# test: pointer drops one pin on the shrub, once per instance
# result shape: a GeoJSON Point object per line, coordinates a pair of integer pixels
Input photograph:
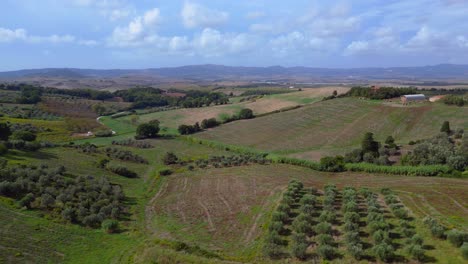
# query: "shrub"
{"type": "Point", "coordinates": [349, 226]}
{"type": "Point", "coordinates": [401, 213]}
{"type": "Point", "coordinates": [23, 135]}
{"type": "Point", "coordinates": [327, 216]}
{"type": "Point", "coordinates": [438, 231]}
{"type": "Point", "coordinates": [416, 240]}
{"type": "Point", "coordinates": [272, 250]}
{"type": "Point", "coordinates": [209, 123]}
{"type": "Point", "coordinates": [351, 217]}
{"type": "Point", "coordinates": [301, 226]}
{"type": "Point", "coordinates": [380, 236]}
{"type": "Point", "coordinates": [170, 158]}
{"type": "Point", "coordinates": [284, 207]}
{"type": "Point", "coordinates": [110, 225]}
{"type": "Point", "coordinates": [307, 209]}
{"type": "Point", "coordinates": [416, 251]}
{"type": "Point", "coordinates": [355, 250]}
{"type": "Point", "coordinates": [464, 250]}
{"type": "Point", "coordinates": [332, 164]}
{"type": "Point", "coordinates": [383, 251]}
{"type": "Point", "coordinates": [165, 172]}
{"type": "Point", "coordinates": [122, 171]}
{"type": "Point", "coordinates": [445, 127]}
{"type": "Point", "coordinates": [273, 238]}
{"type": "Point", "coordinates": [277, 226]}
{"type": "Point", "coordinates": [325, 239]}
{"type": "Point", "coordinates": [457, 238]}
{"type": "Point", "coordinates": [280, 216]}
{"type": "Point", "coordinates": [103, 133]}
{"type": "Point", "coordinates": [3, 149]}
{"type": "Point", "coordinates": [323, 228]}
{"type": "Point", "coordinates": [378, 225]}
{"type": "Point", "coordinates": [326, 251]}
{"type": "Point", "coordinates": [299, 246]}
{"type": "Point", "coordinates": [352, 237]}
{"type": "Point", "coordinates": [246, 113]}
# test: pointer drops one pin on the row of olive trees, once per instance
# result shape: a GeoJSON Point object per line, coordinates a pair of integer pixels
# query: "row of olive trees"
{"type": "Point", "coordinates": [414, 242]}
{"type": "Point", "coordinates": [354, 245]}
{"type": "Point", "coordinates": [274, 243]}
{"type": "Point", "coordinates": [456, 237]}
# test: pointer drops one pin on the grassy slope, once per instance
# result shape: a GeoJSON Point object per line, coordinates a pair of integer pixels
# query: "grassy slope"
{"type": "Point", "coordinates": [332, 126]}
{"type": "Point", "coordinates": [29, 237]}
{"type": "Point", "coordinates": [173, 118]}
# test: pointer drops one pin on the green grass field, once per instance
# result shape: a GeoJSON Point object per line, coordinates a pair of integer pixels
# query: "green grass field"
{"type": "Point", "coordinates": [334, 126]}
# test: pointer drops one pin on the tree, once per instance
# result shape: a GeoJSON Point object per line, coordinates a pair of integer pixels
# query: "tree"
{"type": "Point", "coordinates": [147, 130]}
{"type": "Point", "coordinates": [335, 93]}
{"type": "Point", "coordinates": [445, 127]}
{"type": "Point", "coordinates": [383, 251]}
{"type": "Point", "coordinates": [246, 113]}
{"type": "Point", "coordinates": [368, 144]}
{"type": "Point", "coordinates": [5, 131]}
{"type": "Point", "coordinates": [170, 158]}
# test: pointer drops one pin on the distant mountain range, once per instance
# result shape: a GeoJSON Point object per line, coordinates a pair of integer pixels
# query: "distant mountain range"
{"type": "Point", "coordinates": [68, 77]}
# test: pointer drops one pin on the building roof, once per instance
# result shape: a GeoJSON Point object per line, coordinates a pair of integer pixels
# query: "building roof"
{"type": "Point", "coordinates": [415, 96]}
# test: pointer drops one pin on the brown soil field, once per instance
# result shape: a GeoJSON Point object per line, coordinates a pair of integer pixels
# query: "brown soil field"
{"type": "Point", "coordinates": [227, 208]}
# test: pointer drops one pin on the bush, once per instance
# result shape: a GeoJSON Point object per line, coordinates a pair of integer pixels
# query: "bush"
{"type": "Point", "coordinates": [332, 164]}
{"type": "Point", "coordinates": [23, 135]}
{"type": "Point", "coordinates": [277, 226]}
{"type": "Point", "coordinates": [3, 149]}
{"type": "Point", "coordinates": [384, 252]}
{"type": "Point", "coordinates": [326, 251]}
{"type": "Point", "coordinates": [165, 172]}
{"type": "Point", "coordinates": [299, 246]}
{"type": "Point", "coordinates": [464, 250]}
{"type": "Point", "coordinates": [110, 226]}
{"type": "Point", "coordinates": [122, 171]}
{"type": "Point", "coordinates": [280, 216]}
{"type": "Point", "coordinates": [272, 250]}
{"type": "Point", "coordinates": [417, 240]}
{"type": "Point", "coordinates": [416, 251]}
{"type": "Point", "coordinates": [351, 217]}
{"type": "Point", "coordinates": [103, 133]}
{"type": "Point", "coordinates": [246, 113]}
{"type": "Point", "coordinates": [170, 158]}
{"type": "Point", "coordinates": [323, 228]}
{"type": "Point", "coordinates": [355, 250]}
{"type": "Point", "coordinates": [209, 123]}
{"type": "Point", "coordinates": [457, 238]}
{"type": "Point", "coordinates": [401, 213]}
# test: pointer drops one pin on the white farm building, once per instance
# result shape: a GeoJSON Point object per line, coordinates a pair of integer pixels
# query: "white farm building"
{"type": "Point", "coordinates": [405, 99]}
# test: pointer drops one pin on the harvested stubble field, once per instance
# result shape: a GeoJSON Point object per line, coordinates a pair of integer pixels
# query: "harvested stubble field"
{"type": "Point", "coordinates": [227, 209]}
{"type": "Point", "coordinates": [334, 126]}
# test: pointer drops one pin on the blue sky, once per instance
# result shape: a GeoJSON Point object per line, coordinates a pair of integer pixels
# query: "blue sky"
{"type": "Point", "coordinates": [150, 33]}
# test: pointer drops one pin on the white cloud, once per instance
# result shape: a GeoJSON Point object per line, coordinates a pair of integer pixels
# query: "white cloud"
{"type": "Point", "coordinates": [356, 47]}
{"type": "Point", "coordinates": [9, 35]}
{"type": "Point", "coordinates": [89, 43]}
{"type": "Point", "coordinates": [211, 42]}
{"type": "Point", "coordinates": [139, 29]}
{"type": "Point", "coordinates": [255, 15]}
{"type": "Point", "coordinates": [195, 15]}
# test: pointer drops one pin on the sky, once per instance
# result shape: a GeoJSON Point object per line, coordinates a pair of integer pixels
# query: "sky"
{"type": "Point", "coordinates": [110, 34]}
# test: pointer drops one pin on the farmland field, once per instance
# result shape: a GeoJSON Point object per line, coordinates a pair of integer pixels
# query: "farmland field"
{"type": "Point", "coordinates": [173, 118]}
{"type": "Point", "coordinates": [228, 209]}
{"type": "Point", "coordinates": [330, 127]}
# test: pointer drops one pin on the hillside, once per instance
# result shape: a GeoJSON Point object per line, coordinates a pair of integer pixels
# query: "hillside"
{"type": "Point", "coordinates": [334, 126]}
